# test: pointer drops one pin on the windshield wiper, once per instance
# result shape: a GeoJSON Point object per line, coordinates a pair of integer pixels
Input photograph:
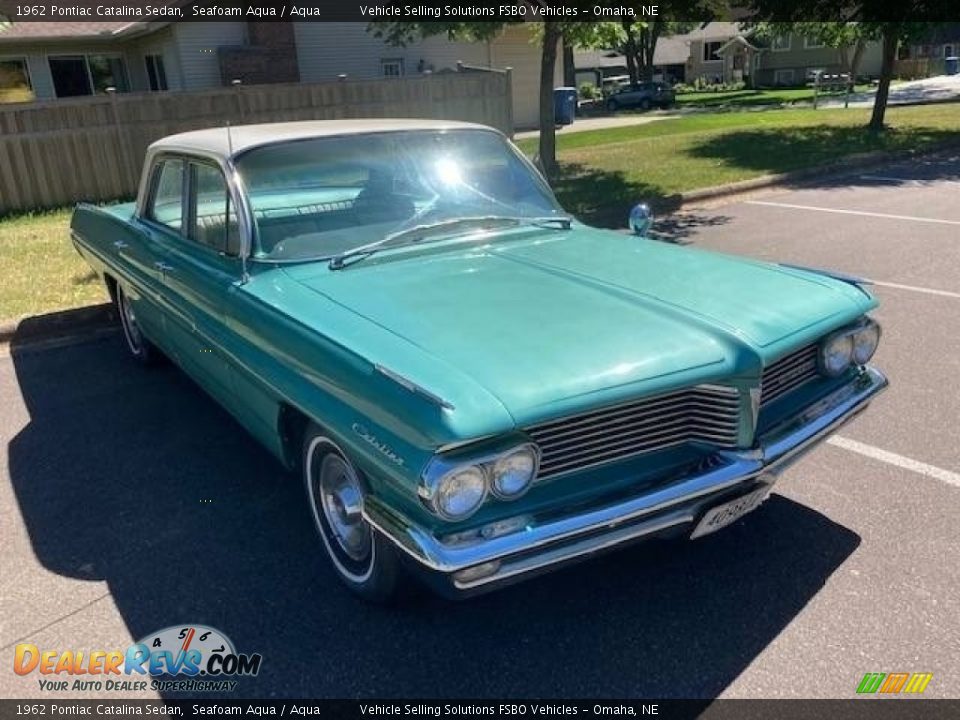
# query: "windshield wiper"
{"type": "Point", "coordinates": [419, 232]}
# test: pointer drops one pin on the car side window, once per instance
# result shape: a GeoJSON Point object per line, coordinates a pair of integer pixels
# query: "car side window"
{"type": "Point", "coordinates": [213, 222]}
{"type": "Point", "coordinates": [166, 202]}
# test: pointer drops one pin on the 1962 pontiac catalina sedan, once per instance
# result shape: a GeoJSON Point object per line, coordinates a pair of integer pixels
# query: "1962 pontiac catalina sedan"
{"type": "Point", "coordinates": [474, 385]}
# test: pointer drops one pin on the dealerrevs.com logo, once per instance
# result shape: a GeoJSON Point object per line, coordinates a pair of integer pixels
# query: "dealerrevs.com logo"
{"type": "Point", "coordinates": [185, 658]}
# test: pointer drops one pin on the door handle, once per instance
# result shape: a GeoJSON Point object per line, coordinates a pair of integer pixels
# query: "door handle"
{"type": "Point", "coordinates": [120, 245]}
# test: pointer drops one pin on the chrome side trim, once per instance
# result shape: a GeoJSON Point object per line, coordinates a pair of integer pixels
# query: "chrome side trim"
{"type": "Point", "coordinates": [413, 387]}
{"type": "Point", "coordinates": [547, 541]}
{"type": "Point", "coordinates": [835, 274]}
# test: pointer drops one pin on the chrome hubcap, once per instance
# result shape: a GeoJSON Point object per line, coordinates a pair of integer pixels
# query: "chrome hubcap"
{"type": "Point", "coordinates": [130, 324]}
{"type": "Point", "coordinates": [341, 500]}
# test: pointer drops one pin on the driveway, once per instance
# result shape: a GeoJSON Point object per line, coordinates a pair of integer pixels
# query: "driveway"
{"type": "Point", "coordinates": [935, 89]}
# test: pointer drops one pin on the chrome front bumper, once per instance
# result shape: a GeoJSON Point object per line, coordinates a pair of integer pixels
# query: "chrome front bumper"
{"type": "Point", "coordinates": [548, 541]}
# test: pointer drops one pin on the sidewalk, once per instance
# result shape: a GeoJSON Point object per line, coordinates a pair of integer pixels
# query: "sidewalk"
{"type": "Point", "coordinates": [602, 123]}
{"type": "Point", "coordinates": [935, 89]}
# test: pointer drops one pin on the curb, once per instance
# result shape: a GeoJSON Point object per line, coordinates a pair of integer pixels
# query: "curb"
{"type": "Point", "coordinates": [842, 167]}
{"type": "Point", "coordinates": [59, 325]}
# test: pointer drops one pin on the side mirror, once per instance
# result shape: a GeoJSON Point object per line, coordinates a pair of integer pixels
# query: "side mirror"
{"type": "Point", "coordinates": [641, 219]}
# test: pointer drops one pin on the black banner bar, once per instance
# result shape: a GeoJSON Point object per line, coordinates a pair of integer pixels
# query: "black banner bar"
{"type": "Point", "coordinates": [874, 708]}
{"type": "Point", "coordinates": [463, 10]}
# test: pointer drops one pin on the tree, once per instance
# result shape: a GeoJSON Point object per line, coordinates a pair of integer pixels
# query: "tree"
{"type": "Point", "coordinates": [862, 21]}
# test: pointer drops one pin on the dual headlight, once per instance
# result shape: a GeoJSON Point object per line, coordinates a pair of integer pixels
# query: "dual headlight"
{"type": "Point", "coordinates": [456, 492]}
{"type": "Point", "coordinates": [851, 346]}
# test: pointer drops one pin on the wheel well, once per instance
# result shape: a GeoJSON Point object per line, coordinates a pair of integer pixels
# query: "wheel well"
{"type": "Point", "coordinates": [292, 424]}
{"type": "Point", "coordinates": [111, 286]}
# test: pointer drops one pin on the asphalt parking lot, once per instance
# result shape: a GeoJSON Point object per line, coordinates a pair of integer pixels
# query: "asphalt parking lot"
{"type": "Point", "coordinates": [130, 502]}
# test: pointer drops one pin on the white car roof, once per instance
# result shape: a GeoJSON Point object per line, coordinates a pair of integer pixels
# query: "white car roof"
{"type": "Point", "coordinates": [244, 137]}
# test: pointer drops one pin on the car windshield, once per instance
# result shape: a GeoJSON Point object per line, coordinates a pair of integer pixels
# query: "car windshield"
{"type": "Point", "coordinates": [325, 196]}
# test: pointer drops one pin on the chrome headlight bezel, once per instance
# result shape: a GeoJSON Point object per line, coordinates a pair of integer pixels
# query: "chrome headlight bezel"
{"type": "Point", "coordinates": [441, 471]}
{"type": "Point", "coordinates": [867, 328]}
{"type": "Point", "coordinates": [849, 335]}
{"type": "Point", "coordinates": [478, 473]}
{"type": "Point", "coordinates": [496, 471]}
{"type": "Point", "coordinates": [823, 358]}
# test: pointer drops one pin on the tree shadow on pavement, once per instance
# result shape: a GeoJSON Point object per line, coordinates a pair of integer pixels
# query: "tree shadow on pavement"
{"type": "Point", "coordinates": [134, 477]}
{"type": "Point", "coordinates": [604, 198]}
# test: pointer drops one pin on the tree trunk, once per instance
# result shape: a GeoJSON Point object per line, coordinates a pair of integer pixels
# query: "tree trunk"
{"type": "Point", "coordinates": [647, 49]}
{"type": "Point", "coordinates": [548, 60]}
{"type": "Point", "coordinates": [886, 75]}
{"type": "Point", "coordinates": [569, 66]}
{"type": "Point", "coordinates": [630, 51]}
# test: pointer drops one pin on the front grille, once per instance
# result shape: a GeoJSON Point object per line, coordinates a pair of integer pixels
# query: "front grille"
{"type": "Point", "coordinates": [706, 413]}
{"type": "Point", "coordinates": [788, 373]}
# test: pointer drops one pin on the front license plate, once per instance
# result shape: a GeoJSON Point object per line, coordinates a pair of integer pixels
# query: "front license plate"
{"type": "Point", "coordinates": [728, 513]}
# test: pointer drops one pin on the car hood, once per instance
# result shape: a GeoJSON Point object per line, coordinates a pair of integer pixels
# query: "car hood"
{"type": "Point", "coordinates": [551, 321]}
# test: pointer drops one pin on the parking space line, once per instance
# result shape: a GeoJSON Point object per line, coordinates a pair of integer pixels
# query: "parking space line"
{"type": "Point", "coordinates": [914, 288]}
{"type": "Point", "coordinates": [901, 461]}
{"type": "Point", "coordinates": [884, 216]}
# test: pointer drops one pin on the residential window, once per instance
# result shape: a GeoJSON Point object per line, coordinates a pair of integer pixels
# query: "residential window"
{"type": "Point", "coordinates": [166, 204]}
{"type": "Point", "coordinates": [783, 77]}
{"type": "Point", "coordinates": [710, 48]}
{"type": "Point", "coordinates": [812, 43]}
{"type": "Point", "coordinates": [15, 81]}
{"type": "Point", "coordinates": [391, 67]}
{"type": "Point", "coordinates": [76, 75]}
{"type": "Point", "coordinates": [156, 73]}
{"type": "Point", "coordinates": [780, 43]}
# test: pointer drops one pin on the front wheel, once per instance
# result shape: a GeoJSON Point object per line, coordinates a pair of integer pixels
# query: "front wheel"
{"type": "Point", "coordinates": [363, 559]}
{"type": "Point", "coordinates": [613, 105]}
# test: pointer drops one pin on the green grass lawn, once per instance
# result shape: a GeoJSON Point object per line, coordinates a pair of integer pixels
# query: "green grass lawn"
{"type": "Point", "coordinates": [40, 271]}
{"type": "Point", "coordinates": [604, 172]}
{"type": "Point", "coordinates": [740, 98]}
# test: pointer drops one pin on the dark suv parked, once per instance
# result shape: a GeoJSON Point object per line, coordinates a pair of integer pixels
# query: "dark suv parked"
{"type": "Point", "coordinates": [641, 95]}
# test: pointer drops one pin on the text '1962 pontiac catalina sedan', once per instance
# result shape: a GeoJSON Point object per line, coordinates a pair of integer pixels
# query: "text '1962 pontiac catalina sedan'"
{"type": "Point", "coordinates": [474, 385]}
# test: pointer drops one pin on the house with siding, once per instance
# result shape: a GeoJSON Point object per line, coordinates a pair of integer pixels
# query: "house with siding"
{"type": "Point", "coordinates": [46, 61]}
{"type": "Point", "coordinates": [723, 52]}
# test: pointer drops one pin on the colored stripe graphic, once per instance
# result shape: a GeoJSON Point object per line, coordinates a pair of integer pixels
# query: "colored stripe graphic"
{"type": "Point", "coordinates": [871, 682]}
{"type": "Point", "coordinates": [918, 682]}
{"type": "Point", "coordinates": [894, 682]}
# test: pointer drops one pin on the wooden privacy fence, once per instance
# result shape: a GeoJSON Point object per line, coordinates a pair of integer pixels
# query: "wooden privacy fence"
{"type": "Point", "coordinates": [91, 149]}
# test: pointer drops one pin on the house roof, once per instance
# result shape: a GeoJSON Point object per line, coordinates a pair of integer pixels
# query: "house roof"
{"type": "Point", "coordinates": [247, 137]}
{"type": "Point", "coordinates": [739, 40]}
{"type": "Point", "coordinates": [48, 31]}
{"type": "Point", "coordinates": [671, 50]}
{"type": "Point", "coordinates": [713, 31]}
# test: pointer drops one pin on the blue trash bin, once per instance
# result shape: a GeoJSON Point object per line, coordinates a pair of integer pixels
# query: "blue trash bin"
{"type": "Point", "coordinates": [564, 105]}
{"type": "Point", "coordinates": [952, 65]}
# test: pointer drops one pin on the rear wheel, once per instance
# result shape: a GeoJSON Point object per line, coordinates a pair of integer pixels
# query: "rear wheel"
{"type": "Point", "coordinates": [364, 560]}
{"type": "Point", "coordinates": [141, 349]}
{"type": "Point", "coordinates": [645, 104]}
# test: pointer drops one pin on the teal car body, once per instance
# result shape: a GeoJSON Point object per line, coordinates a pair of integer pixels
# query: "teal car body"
{"type": "Point", "coordinates": [652, 381]}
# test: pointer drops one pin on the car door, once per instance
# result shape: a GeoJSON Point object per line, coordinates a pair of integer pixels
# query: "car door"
{"type": "Point", "coordinates": [160, 223]}
{"type": "Point", "coordinates": [200, 268]}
